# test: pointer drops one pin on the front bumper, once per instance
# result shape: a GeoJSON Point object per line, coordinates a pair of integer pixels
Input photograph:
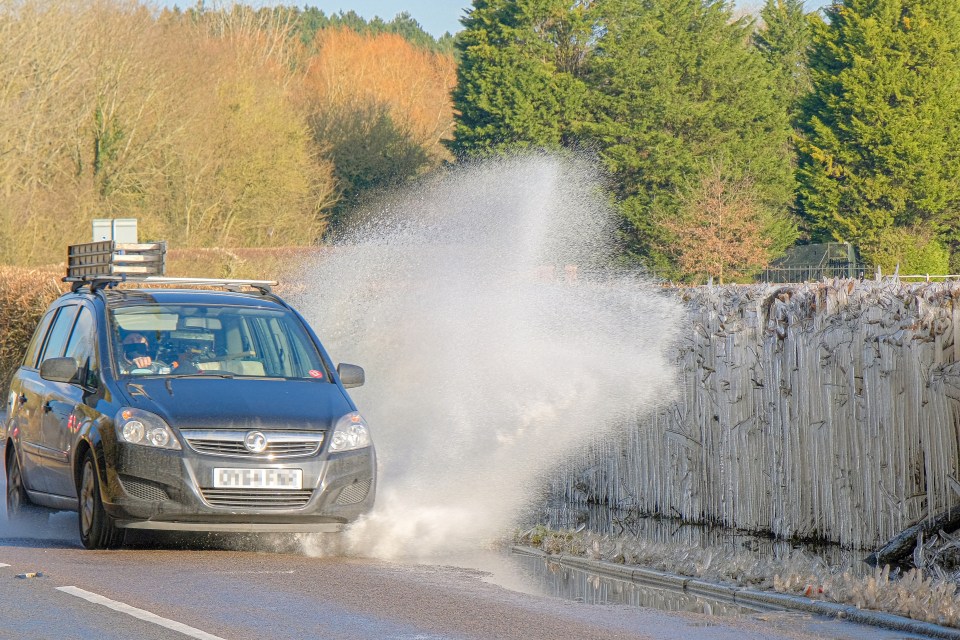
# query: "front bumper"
{"type": "Point", "coordinates": [147, 488]}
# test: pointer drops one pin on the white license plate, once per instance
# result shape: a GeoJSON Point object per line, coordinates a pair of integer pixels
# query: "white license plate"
{"type": "Point", "coordinates": [258, 478]}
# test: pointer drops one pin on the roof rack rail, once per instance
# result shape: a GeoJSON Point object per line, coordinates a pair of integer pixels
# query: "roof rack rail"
{"type": "Point", "coordinates": [231, 284]}
{"type": "Point", "coordinates": [108, 263]}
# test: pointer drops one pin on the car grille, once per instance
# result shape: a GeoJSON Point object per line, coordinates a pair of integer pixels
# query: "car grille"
{"type": "Point", "coordinates": [143, 490]}
{"type": "Point", "coordinates": [354, 493]}
{"type": "Point", "coordinates": [280, 444]}
{"type": "Point", "coordinates": [257, 498]}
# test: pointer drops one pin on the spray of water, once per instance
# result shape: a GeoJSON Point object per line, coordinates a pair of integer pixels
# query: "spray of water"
{"type": "Point", "coordinates": [497, 339]}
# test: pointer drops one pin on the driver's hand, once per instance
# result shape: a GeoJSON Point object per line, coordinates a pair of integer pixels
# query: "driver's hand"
{"type": "Point", "coordinates": [143, 362]}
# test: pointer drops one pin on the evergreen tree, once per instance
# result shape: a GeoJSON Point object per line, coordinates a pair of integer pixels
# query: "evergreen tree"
{"type": "Point", "coordinates": [310, 20]}
{"type": "Point", "coordinates": [784, 40]}
{"type": "Point", "coordinates": [882, 127]}
{"type": "Point", "coordinates": [678, 91]}
{"type": "Point", "coordinates": [518, 81]}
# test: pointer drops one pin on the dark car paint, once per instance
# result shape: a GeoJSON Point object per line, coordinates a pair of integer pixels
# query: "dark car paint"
{"type": "Point", "coordinates": [243, 403]}
{"type": "Point", "coordinates": [83, 418]}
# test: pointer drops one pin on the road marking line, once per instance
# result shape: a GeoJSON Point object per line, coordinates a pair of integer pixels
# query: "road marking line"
{"type": "Point", "coordinates": [139, 613]}
{"type": "Point", "coordinates": [4, 565]}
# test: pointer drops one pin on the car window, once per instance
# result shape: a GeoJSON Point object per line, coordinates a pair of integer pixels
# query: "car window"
{"type": "Point", "coordinates": [33, 349]}
{"type": "Point", "coordinates": [216, 340]}
{"type": "Point", "coordinates": [82, 345]}
{"type": "Point", "coordinates": [57, 338]}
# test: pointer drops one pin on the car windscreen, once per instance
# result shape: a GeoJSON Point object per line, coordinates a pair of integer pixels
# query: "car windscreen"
{"type": "Point", "coordinates": [211, 340]}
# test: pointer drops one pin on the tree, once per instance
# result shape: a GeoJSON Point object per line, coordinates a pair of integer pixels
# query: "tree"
{"type": "Point", "coordinates": [311, 20]}
{"type": "Point", "coordinates": [677, 90]}
{"type": "Point", "coordinates": [718, 231]}
{"type": "Point", "coordinates": [379, 106]}
{"type": "Point", "coordinates": [182, 120]}
{"type": "Point", "coordinates": [411, 84]}
{"type": "Point", "coordinates": [784, 40]}
{"type": "Point", "coordinates": [518, 82]}
{"type": "Point", "coordinates": [881, 130]}
{"type": "Point", "coordinates": [913, 250]}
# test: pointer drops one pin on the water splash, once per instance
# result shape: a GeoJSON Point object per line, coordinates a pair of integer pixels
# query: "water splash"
{"type": "Point", "coordinates": [497, 338]}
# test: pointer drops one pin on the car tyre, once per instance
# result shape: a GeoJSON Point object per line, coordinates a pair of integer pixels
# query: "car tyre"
{"type": "Point", "coordinates": [19, 508]}
{"type": "Point", "coordinates": [97, 529]}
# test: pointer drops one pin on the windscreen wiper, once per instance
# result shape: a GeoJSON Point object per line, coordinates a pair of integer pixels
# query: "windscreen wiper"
{"type": "Point", "coordinates": [200, 375]}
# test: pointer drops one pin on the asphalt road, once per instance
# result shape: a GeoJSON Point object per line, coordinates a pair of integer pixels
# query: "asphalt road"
{"type": "Point", "coordinates": [179, 588]}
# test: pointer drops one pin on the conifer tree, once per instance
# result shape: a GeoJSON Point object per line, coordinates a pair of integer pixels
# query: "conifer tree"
{"type": "Point", "coordinates": [517, 82]}
{"type": "Point", "coordinates": [678, 91]}
{"type": "Point", "coordinates": [882, 127]}
{"type": "Point", "coordinates": [784, 39]}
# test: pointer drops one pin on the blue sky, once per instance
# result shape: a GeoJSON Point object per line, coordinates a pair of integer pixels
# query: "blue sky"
{"type": "Point", "coordinates": [435, 16]}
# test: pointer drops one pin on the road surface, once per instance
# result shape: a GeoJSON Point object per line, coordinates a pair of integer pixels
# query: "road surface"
{"type": "Point", "coordinates": [177, 588]}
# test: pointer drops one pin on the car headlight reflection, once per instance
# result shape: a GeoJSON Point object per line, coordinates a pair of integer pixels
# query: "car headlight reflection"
{"type": "Point", "coordinates": [137, 426]}
{"type": "Point", "coordinates": [350, 433]}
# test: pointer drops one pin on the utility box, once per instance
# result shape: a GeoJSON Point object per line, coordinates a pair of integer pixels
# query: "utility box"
{"type": "Point", "coordinates": [119, 230]}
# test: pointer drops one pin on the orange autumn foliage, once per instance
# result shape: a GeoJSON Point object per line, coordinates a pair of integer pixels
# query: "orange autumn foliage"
{"type": "Point", "coordinates": [385, 69]}
{"type": "Point", "coordinates": [719, 232]}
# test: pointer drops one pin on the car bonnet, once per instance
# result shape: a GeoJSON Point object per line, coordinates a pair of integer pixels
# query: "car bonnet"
{"type": "Point", "coordinates": [223, 403]}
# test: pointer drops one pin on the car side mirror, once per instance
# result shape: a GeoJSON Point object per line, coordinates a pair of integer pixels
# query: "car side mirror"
{"type": "Point", "coordinates": [350, 375]}
{"type": "Point", "coordinates": [59, 370]}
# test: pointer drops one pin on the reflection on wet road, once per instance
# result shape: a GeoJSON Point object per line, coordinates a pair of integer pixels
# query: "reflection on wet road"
{"type": "Point", "coordinates": [580, 586]}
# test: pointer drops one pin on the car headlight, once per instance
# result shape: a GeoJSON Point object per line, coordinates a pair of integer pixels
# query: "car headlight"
{"type": "Point", "coordinates": [350, 433]}
{"type": "Point", "coordinates": [137, 426]}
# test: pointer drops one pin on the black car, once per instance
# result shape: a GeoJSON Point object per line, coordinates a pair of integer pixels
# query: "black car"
{"type": "Point", "coordinates": [184, 409]}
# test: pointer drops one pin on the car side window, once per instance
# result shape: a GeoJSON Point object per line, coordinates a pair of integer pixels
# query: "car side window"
{"type": "Point", "coordinates": [57, 338]}
{"type": "Point", "coordinates": [33, 349]}
{"type": "Point", "coordinates": [82, 345]}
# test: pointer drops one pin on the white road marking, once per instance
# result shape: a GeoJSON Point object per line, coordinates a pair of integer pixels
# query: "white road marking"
{"type": "Point", "coordinates": [4, 565]}
{"type": "Point", "coordinates": [139, 613]}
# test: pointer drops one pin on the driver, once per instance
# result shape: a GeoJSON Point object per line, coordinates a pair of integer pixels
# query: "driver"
{"type": "Point", "coordinates": [136, 355]}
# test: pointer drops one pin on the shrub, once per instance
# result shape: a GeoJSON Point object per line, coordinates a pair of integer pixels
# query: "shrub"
{"type": "Point", "coordinates": [24, 296]}
{"type": "Point", "coordinates": [915, 249]}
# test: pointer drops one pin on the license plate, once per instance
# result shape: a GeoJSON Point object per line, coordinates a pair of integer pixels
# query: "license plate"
{"type": "Point", "coordinates": [258, 478]}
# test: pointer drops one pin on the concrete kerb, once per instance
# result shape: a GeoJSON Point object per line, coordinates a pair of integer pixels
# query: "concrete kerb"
{"type": "Point", "coordinates": [747, 597]}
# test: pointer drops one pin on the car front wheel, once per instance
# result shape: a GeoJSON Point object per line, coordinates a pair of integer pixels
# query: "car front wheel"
{"type": "Point", "coordinates": [97, 528]}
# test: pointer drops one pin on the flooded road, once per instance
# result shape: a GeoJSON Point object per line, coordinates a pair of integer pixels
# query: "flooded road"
{"type": "Point", "coordinates": [155, 591]}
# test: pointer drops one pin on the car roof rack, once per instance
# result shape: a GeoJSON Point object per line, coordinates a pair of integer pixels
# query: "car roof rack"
{"type": "Point", "coordinates": [108, 263]}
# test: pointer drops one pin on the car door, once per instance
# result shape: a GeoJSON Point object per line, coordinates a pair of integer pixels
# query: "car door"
{"type": "Point", "coordinates": [36, 453]}
{"type": "Point", "coordinates": [65, 408]}
{"type": "Point", "coordinates": [23, 422]}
